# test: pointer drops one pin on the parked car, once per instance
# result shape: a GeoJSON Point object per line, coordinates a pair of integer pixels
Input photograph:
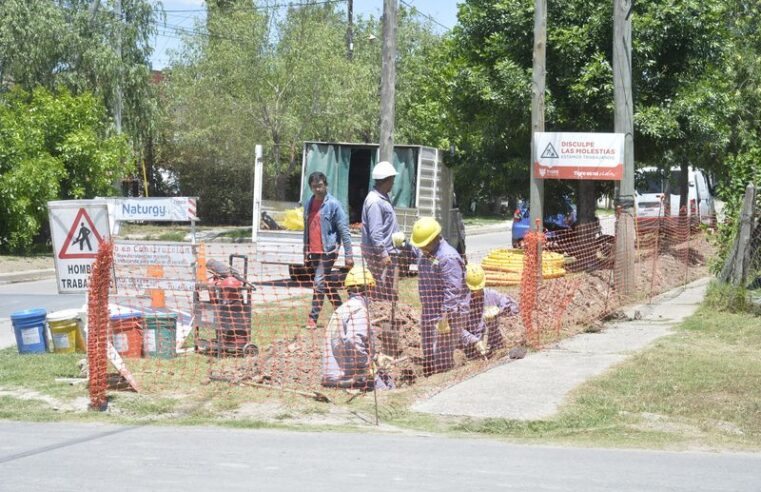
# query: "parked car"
{"type": "Point", "coordinates": [560, 215]}
{"type": "Point", "coordinates": [651, 184]}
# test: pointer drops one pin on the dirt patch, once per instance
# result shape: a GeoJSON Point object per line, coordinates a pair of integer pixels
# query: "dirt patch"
{"type": "Point", "coordinates": [565, 306]}
{"type": "Point", "coordinates": [14, 264]}
{"type": "Point", "coordinates": [76, 405]}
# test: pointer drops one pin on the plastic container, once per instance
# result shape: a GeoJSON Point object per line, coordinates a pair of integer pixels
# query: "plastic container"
{"type": "Point", "coordinates": [160, 335]}
{"type": "Point", "coordinates": [64, 330]}
{"type": "Point", "coordinates": [29, 328]}
{"type": "Point", "coordinates": [127, 333]}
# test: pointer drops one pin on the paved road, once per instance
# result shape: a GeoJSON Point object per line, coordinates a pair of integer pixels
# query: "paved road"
{"type": "Point", "coordinates": [77, 457]}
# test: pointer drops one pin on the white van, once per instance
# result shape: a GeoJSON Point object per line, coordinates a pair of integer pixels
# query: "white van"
{"type": "Point", "coordinates": [650, 184]}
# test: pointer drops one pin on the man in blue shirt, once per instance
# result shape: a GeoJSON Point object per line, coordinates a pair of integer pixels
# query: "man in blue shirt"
{"type": "Point", "coordinates": [378, 226]}
{"type": "Point", "coordinates": [325, 228]}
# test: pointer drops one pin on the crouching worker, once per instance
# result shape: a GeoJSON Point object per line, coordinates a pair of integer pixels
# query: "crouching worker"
{"type": "Point", "coordinates": [349, 359]}
{"type": "Point", "coordinates": [486, 306]}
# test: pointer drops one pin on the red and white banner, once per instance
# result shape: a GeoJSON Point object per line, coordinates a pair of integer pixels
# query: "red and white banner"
{"type": "Point", "coordinates": [579, 155]}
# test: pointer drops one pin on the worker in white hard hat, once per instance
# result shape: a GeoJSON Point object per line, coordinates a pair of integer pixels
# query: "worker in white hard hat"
{"type": "Point", "coordinates": [350, 357]}
{"type": "Point", "coordinates": [379, 226]}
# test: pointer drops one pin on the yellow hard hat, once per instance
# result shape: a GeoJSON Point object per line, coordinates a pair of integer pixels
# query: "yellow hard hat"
{"type": "Point", "coordinates": [475, 277]}
{"type": "Point", "coordinates": [359, 276]}
{"type": "Point", "coordinates": [424, 231]}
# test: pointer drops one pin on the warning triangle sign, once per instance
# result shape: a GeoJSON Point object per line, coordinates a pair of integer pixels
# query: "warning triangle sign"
{"type": "Point", "coordinates": [549, 152]}
{"type": "Point", "coordinates": [82, 240]}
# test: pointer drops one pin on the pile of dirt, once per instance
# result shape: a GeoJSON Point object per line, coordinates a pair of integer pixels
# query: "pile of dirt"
{"type": "Point", "coordinates": [590, 295]}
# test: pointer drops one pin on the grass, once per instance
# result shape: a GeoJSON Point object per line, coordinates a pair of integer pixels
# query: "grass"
{"type": "Point", "coordinates": [482, 220]}
{"type": "Point", "coordinates": [698, 388]}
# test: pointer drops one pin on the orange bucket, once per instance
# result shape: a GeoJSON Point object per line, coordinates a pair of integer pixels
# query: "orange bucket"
{"type": "Point", "coordinates": [127, 333]}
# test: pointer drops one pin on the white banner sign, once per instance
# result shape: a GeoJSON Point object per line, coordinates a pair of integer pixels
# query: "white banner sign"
{"type": "Point", "coordinates": [171, 209]}
{"type": "Point", "coordinates": [153, 253]}
{"type": "Point", "coordinates": [77, 228]}
{"type": "Point", "coordinates": [579, 155]}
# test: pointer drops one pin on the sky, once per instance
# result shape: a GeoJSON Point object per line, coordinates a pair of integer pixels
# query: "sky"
{"type": "Point", "coordinates": [181, 14]}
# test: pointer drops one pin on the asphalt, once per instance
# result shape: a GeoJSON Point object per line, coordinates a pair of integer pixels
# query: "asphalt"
{"type": "Point", "coordinates": [535, 387]}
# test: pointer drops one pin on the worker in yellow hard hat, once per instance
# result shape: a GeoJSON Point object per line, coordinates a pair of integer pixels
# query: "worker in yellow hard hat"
{"type": "Point", "coordinates": [443, 295]}
{"type": "Point", "coordinates": [486, 306]}
{"type": "Point", "coordinates": [350, 358]}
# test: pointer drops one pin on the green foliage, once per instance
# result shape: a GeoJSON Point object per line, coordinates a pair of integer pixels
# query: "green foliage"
{"type": "Point", "coordinates": [52, 146]}
{"type": "Point", "coordinates": [728, 298]}
{"type": "Point", "coordinates": [279, 78]}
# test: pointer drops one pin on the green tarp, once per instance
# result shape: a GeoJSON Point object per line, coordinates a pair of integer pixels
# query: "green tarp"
{"type": "Point", "coordinates": [334, 160]}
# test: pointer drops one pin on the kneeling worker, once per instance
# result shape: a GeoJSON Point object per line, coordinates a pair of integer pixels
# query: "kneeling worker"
{"type": "Point", "coordinates": [349, 358]}
{"type": "Point", "coordinates": [486, 305]}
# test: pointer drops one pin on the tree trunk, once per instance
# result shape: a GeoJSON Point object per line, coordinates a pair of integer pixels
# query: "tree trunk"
{"type": "Point", "coordinates": [737, 264]}
{"type": "Point", "coordinates": [586, 202]}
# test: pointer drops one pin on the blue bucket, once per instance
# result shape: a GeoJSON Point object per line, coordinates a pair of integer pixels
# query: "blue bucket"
{"type": "Point", "coordinates": [29, 328]}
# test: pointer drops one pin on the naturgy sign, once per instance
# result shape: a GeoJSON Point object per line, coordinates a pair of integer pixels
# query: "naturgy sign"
{"type": "Point", "coordinates": [172, 209]}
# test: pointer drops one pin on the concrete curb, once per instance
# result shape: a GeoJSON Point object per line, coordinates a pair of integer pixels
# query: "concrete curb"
{"type": "Point", "coordinates": [26, 275]}
{"type": "Point", "coordinates": [486, 229]}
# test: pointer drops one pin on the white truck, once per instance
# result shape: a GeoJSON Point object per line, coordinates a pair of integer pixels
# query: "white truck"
{"type": "Point", "coordinates": [651, 185]}
{"type": "Point", "coordinates": [423, 188]}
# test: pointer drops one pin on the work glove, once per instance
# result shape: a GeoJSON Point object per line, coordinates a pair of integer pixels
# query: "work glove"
{"type": "Point", "coordinates": [491, 312]}
{"type": "Point", "coordinates": [398, 239]}
{"type": "Point", "coordinates": [481, 347]}
{"type": "Point", "coordinates": [383, 362]}
{"type": "Point", "coordinates": [443, 326]}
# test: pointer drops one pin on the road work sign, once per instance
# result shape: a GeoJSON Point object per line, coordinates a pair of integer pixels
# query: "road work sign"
{"type": "Point", "coordinates": [77, 228]}
{"type": "Point", "coordinates": [579, 155]}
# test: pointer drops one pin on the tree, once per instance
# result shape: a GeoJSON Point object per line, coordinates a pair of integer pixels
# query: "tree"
{"type": "Point", "coordinates": [52, 146]}
{"type": "Point", "coordinates": [681, 102]}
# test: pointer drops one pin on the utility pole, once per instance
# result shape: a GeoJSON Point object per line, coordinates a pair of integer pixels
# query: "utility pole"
{"type": "Point", "coordinates": [624, 123]}
{"type": "Point", "coordinates": [118, 88]}
{"type": "Point", "coordinates": [388, 81]}
{"type": "Point", "coordinates": [537, 108]}
{"type": "Point", "coordinates": [350, 31]}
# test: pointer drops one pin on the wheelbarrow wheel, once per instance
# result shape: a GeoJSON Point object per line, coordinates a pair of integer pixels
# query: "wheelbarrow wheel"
{"type": "Point", "coordinates": [250, 350]}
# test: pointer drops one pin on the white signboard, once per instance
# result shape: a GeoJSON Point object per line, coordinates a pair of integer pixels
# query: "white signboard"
{"type": "Point", "coordinates": [77, 227]}
{"type": "Point", "coordinates": [153, 253]}
{"type": "Point", "coordinates": [579, 155]}
{"type": "Point", "coordinates": [170, 209]}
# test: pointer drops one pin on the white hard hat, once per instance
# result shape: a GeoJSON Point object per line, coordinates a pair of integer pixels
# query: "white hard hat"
{"type": "Point", "coordinates": [383, 170]}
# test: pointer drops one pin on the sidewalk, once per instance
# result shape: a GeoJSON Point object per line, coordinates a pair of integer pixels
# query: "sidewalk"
{"type": "Point", "coordinates": [535, 387]}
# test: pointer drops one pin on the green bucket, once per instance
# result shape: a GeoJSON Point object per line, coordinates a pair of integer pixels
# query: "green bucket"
{"type": "Point", "coordinates": [160, 335]}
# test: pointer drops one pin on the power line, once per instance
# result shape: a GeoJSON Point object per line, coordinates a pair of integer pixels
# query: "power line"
{"type": "Point", "coordinates": [423, 14]}
{"type": "Point", "coordinates": [263, 7]}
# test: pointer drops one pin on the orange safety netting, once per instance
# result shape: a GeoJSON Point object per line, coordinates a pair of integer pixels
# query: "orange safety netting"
{"type": "Point", "coordinates": [183, 316]}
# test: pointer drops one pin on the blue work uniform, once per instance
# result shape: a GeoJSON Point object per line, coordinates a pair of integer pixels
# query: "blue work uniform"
{"type": "Point", "coordinates": [378, 225]}
{"type": "Point", "coordinates": [348, 348]}
{"type": "Point", "coordinates": [442, 291]}
{"type": "Point", "coordinates": [477, 326]}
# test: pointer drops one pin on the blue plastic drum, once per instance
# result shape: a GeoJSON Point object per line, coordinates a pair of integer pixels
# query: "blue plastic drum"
{"type": "Point", "coordinates": [29, 328]}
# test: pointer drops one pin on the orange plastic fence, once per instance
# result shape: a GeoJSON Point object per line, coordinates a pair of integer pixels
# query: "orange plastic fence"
{"type": "Point", "coordinates": [183, 316]}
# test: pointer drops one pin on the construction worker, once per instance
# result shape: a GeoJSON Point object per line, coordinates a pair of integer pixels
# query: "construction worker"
{"type": "Point", "coordinates": [378, 226]}
{"type": "Point", "coordinates": [486, 305]}
{"type": "Point", "coordinates": [443, 294]}
{"type": "Point", "coordinates": [349, 359]}
{"type": "Point", "coordinates": [326, 227]}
